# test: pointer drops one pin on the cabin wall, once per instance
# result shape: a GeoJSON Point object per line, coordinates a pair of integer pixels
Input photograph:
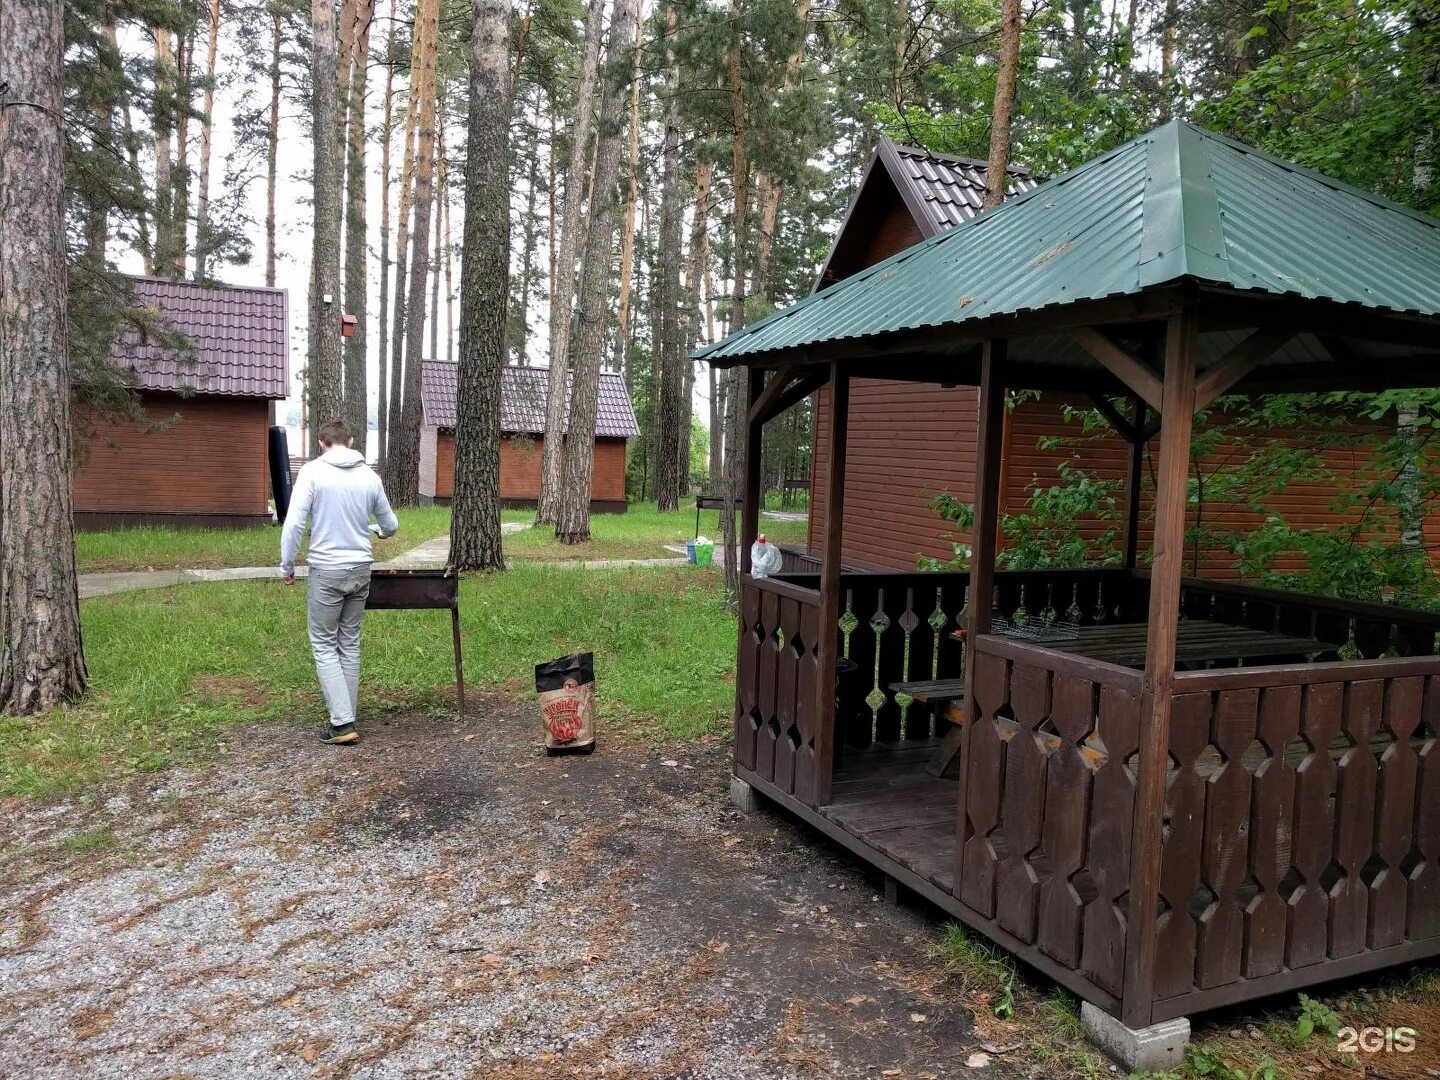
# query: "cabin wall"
{"type": "Point", "coordinates": [520, 462]}
{"type": "Point", "coordinates": [429, 442]}
{"type": "Point", "coordinates": [198, 461]}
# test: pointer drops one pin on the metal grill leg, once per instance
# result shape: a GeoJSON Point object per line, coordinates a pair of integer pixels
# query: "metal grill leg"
{"type": "Point", "coordinates": [459, 664]}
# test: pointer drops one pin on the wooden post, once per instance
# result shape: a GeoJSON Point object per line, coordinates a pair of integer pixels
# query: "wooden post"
{"type": "Point", "coordinates": [1177, 414]}
{"type": "Point", "coordinates": [1132, 484]}
{"type": "Point", "coordinates": [983, 543]}
{"type": "Point", "coordinates": [750, 512]}
{"type": "Point", "coordinates": [459, 664]}
{"type": "Point", "coordinates": [830, 582]}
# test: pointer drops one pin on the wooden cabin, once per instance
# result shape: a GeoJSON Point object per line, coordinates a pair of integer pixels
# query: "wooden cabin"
{"type": "Point", "coordinates": [522, 438]}
{"type": "Point", "coordinates": [909, 442]}
{"type": "Point", "coordinates": [198, 458]}
{"type": "Point", "coordinates": [1166, 793]}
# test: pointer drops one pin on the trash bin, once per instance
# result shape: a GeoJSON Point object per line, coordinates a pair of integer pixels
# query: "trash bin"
{"type": "Point", "coordinates": [690, 552]}
{"type": "Point", "coordinates": [704, 552]}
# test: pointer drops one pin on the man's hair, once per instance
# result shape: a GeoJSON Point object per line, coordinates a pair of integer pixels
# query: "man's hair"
{"type": "Point", "coordinates": [333, 433]}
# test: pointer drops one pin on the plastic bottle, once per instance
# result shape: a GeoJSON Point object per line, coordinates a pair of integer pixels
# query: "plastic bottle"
{"type": "Point", "coordinates": [765, 558]}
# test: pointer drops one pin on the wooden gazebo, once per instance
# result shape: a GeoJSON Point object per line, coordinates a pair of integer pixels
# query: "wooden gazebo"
{"type": "Point", "coordinates": [1198, 793]}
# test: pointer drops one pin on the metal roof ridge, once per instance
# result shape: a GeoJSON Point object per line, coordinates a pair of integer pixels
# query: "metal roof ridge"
{"type": "Point", "coordinates": [212, 284]}
{"type": "Point", "coordinates": [959, 159]}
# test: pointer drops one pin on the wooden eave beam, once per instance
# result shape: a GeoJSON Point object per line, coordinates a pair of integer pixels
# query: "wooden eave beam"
{"type": "Point", "coordinates": [1117, 419]}
{"type": "Point", "coordinates": [763, 407]}
{"type": "Point", "coordinates": [1119, 363]}
{"type": "Point", "coordinates": [1239, 362]}
{"type": "Point", "coordinates": [799, 390]}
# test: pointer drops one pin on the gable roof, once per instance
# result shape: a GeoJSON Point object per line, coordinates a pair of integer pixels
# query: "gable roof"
{"type": "Point", "coordinates": [938, 190]}
{"type": "Point", "coordinates": [1177, 204]}
{"type": "Point", "coordinates": [240, 338]}
{"type": "Point", "coordinates": [522, 400]}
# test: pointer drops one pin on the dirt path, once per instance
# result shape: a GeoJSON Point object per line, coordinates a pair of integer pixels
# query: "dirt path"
{"type": "Point", "coordinates": [443, 900]}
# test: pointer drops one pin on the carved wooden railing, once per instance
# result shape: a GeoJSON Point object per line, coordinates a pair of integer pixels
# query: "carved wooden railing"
{"type": "Point", "coordinates": [1048, 794]}
{"type": "Point", "coordinates": [776, 679]}
{"type": "Point", "coordinates": [1302, 828]}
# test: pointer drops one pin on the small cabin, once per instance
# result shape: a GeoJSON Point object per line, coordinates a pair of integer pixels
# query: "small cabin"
{"type": "Point", "coordinates": [198, 456]}
{"type": "Point", "coordinates": [523, 393]}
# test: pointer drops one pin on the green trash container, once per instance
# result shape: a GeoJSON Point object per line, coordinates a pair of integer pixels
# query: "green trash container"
{"type": "Point", "coordinates": [704, 554]}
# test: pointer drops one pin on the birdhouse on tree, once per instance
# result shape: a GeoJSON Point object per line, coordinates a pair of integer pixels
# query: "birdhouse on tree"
{"type": "Point", "coordinates": [347, 325]}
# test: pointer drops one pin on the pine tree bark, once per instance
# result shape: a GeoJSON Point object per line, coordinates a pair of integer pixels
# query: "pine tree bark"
{"type": "Point", "coordinates": [357, 281]}
{"type": "Point", "coordinates": [672, 457]}
{"type": "Point", "coordinates": [563, 279]}
{"type": "Point", "coordinates": [442, 197]}
{"type": "Point", "coordinates": [627, 228]}
{"type": "Point", "coordinates": [42, 661]}
{"type": "Point", "coordinates": [1006, 71]}
{"type": "Point", "coordinates": [484, 294]}
{"type": "Point", "coordinates": [180, 163]}
{"type": "Point", "coordinates": [521, 318]}
{"type": "Point", "coordinates": [405, 449]}
{"type": "Point", "coordinates": [573, 521]}
{"type": "Point", "coordinates": [387, 137]}
{"type": "Point", "coordinates": [272, 147]}
{"type": "Point", "coordinates": [162, 124]}
{"type": "Point", "coordinates": [402, 250]}
{"type": "Point", "coordinates": [207, 123]}
{"type": "Point", "coordinates": [323, 382]}
{"type": "Point", "coordinates": [737, 394]}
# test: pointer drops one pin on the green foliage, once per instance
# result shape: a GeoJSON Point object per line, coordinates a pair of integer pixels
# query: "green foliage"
{"type": "Point", "coordinates": [1315, 1016]}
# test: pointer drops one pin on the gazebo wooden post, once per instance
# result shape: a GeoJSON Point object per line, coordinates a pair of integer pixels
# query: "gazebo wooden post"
{"type": "Point", "coordinates": [983, 542]}
{"type": "Point", "coordinates": [1132, 481]}
{"type": "Point", "coordinates": [839, 388]}
{"type": "Point", "coordinates": [754, 441]}
{"type": "Point", "coordinates": [1177, 411]}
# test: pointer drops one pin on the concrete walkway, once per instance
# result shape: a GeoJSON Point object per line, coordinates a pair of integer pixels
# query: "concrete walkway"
{"type": "Point", "coordinates": [432, 553]}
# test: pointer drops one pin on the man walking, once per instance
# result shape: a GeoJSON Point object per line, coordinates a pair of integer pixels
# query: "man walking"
{"type": "Point", "coordinates": [337, 494]}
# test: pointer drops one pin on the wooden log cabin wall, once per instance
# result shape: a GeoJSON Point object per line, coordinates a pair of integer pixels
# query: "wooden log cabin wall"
{"type": "Point", "coordinates": [1171, 793]}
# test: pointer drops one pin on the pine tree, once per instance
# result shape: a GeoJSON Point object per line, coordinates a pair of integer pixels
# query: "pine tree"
{"type": "Point", "coordinates": [485, 291]}
{"type": "Point", "coordinates": [572, 524]}
{"type": "Point", "coordinates": [357, 280]}
{"type": "Point", "coordinates": [323, 383]}
{"type": "Point", "coordinates": [562, 280]}
{"type": "Point", "coordinates": [42, 660]}
{"type": "Point", "coordinates": [673, 443]}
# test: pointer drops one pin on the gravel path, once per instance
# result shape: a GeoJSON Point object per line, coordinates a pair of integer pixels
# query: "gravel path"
{"type": "Point", "coordinates": [444, 900]}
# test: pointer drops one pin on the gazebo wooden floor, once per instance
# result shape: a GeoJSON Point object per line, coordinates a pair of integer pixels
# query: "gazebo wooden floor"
{"type": "Point", "coordinates": [887, 800]}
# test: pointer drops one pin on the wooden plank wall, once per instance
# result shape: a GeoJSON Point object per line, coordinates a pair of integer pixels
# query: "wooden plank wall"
{"type": "Point", "coordinates": [212, 460]}
{"type": "Point", "coordinates": [909, 441]}
{"type": "Point", "coordinates": [520, 458]}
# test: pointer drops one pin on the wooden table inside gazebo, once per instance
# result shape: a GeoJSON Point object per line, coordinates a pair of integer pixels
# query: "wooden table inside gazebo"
{"type": "Point", "coordinates": [1197, 802]}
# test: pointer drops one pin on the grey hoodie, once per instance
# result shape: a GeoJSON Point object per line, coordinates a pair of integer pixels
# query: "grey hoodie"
{"type": "Point", "coordinates": [338, 494]}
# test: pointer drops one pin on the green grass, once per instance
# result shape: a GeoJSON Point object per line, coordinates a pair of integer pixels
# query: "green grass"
{"type": "Point", "coordinates": [640, 533]}
{"type": "Point", "coordinates": [171, 668]}
{"type": "Point", "coordinates": [161, 547]}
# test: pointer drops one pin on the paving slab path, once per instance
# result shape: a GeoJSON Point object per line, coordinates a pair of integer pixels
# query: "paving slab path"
{"type": "Point", "coordinates": [431, 553]}
{"type": "Point", "coordinates": [444, 900]}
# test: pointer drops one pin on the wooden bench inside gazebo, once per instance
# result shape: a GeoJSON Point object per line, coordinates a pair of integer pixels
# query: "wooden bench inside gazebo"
{"type": "Point", "coordinates": [1170, 794]}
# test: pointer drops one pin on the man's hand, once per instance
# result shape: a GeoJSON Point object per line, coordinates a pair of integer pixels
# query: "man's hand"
{"type": "Point", "coordinates": [289, 578]}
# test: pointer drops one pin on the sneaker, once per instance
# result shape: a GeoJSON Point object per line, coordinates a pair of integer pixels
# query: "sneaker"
{"type": "Point", "coordinates": [343, 735]}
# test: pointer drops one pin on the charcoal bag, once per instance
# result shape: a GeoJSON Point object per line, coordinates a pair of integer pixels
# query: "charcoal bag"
{"type": "Point", "coordinates": [566, 688]}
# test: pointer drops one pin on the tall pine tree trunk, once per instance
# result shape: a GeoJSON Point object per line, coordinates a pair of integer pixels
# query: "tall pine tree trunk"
{"type": "Point", "coordinates": [272, 147]}
{"type": "Point", "coordinates": [323, 381]}
{"type": "Point", "coordinates": [562, 288]}
{"type": "Point", "coordinates": [521, 318]}
{"type": "Point", "coordinates": [1006, 70]}
{"type": "Point", "coordinates": [405, 449]}
{"type": "Point", "coordinates": [207, 123]}
{"type": "Point", "coordinates": [387, 136]}
{"type": "Point", "coordinates": [162, 124]}
{"type": "Point", "coordinates": [442, 196]}
{"type": "Point", "coordinates": [737, 397]}
{"type": "Point", "coordinates": [42, 662]}
{"type": "Point", "coordinates": [627, 227]}
{"type": "Point", "coordinates": [357, 281]}
{"type": "Point", "coordinates": [484, 292]}
{"type": "Point", "coordinates": [673, 446]}
{"type": "Point", "coordinates": [180, 164]}
{"type": "Point", "coordinates": [402, 252]}
{"type": "Point", "coordinates": [572, 525]}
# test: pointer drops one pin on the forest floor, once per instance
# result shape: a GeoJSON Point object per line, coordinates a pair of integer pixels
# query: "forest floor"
{"type": "Point", "coordinates": [444, 900]}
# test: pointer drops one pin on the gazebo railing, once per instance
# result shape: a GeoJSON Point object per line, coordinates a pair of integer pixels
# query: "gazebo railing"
{"type": "Point", "coordinates": [1301, 838]}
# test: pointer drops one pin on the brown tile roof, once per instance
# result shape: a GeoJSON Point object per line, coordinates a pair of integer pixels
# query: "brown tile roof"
{"type": "Point", "coordinates": [240, 337]}
{"type": "Point", "coordinates": [940, 189]}
{"type": "Point", "coordinates": [522, 400]}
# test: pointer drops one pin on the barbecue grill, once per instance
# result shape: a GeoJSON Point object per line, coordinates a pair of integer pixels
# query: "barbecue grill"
{"type": "Point", "coordinates": [392, 590]}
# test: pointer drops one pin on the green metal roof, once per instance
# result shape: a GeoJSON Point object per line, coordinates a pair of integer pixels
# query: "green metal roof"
{"type": "Point", "coordinates": [1177, 203]}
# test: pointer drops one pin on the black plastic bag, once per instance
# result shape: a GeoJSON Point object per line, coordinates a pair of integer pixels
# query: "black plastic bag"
{"type": "Point", "coordinates": [566, 687]}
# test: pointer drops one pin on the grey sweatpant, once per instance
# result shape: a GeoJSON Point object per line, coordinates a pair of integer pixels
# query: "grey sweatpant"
{"type": "Point", "coordinates": [336, 600]}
